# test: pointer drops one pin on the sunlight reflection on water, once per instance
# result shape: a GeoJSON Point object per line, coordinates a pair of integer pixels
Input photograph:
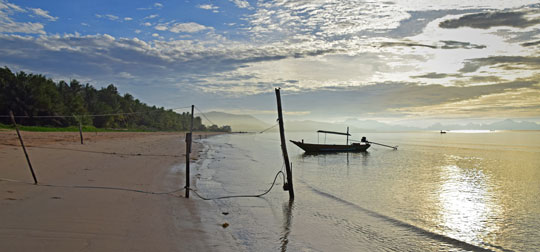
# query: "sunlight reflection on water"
{"type": "Point", "coordinates": [467, 205]}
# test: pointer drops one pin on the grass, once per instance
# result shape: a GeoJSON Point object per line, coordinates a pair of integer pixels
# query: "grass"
{"type": "Point", "coordinates": [68, 129]}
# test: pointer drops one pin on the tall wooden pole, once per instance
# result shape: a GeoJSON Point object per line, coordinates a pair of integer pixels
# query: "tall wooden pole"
{"type": "Point", "coordinates": [24, 148]}
{"type": "Point", "coordinates": [289, 185]}
{"type": "Point", "coordinates": [188, 150]}
{"type": "Point", "coordinates": [188, 146]}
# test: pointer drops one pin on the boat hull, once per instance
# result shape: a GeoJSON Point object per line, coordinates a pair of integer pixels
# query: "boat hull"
{"type": "Point", "coordinates": [318, 148]}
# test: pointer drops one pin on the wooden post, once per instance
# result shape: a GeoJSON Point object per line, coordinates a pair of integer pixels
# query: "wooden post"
{"type": "Point", "coordinates": [80, 131]}
{"type": "Point", "coordinates": [188, 150]}
{"type": "Point", "coordinates": [188, 147]}
{"type": "Point", "coordinates": [289, 185]}
{"type": "Point", "coordinates": [24, 148]}
{"type": "Point", "coordinates": [347, 135]}
{"type": "Point", "coordinates": [191, 127]}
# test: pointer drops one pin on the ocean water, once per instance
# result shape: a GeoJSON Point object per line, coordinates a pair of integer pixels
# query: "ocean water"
{"type": "Point", "coordinates": [460, 191]}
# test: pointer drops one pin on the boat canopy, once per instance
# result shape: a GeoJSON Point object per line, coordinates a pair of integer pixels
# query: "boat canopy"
{"type": "Point", "coordinates": [333, 132]}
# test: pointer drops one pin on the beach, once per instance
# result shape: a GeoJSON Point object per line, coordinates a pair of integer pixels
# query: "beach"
{"type": "Point", "coordinates": [101, 196]}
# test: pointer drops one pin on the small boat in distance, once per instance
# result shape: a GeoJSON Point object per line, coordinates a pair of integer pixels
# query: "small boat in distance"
{"type": "Point", "coordinates": [318, 148]}
{"type": "Point", "coordinates": [443, 132]}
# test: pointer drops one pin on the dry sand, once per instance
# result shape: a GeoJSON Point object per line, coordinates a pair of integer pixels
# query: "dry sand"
{"type": "Point", "coordinates": [60, 217]}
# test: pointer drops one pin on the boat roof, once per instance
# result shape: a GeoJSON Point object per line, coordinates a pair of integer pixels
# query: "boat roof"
{"type": "Point", "coordinates": [333, 132]}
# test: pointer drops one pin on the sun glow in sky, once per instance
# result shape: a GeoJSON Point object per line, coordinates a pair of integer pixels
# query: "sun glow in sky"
{"type": "Point", "coordinates": [386, 60]}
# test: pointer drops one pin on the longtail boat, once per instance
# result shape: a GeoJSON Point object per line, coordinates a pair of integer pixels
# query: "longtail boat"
{"type": "Point", "coordinates": [318, 148]}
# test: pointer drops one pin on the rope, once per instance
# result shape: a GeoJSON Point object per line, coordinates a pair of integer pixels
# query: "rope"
{"type": "Point", "coordinates": [95, 187]}
{"type": "Point", "coordinates": [156, 193]}
{"type": "Point", "coordinates": [269, 128]}
{"type": "Point", "coordinates": [204, 115]}
{"type": "Point", "coordinates": [241, 196]}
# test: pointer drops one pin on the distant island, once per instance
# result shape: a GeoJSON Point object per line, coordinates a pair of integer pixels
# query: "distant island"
{"type": "Point", "coordinates": [252, 124]}
{"type": "Point", "coordinates": [39, 101]}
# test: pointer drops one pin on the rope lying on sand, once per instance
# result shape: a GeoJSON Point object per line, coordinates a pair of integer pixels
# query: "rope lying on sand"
{"type": "Point", "coordinates": [241, 196]}
{"type": "Point", "coordinates": [93, 187]}
{"type": "Point", "coordinates": [150, 192]}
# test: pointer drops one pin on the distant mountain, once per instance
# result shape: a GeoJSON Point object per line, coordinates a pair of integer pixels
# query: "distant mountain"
{"type": "Point", "coordinates": [507, 124]}
{"type": "Point", "coordinates": [372, 125]}
{"type": "Point", "coordinates": [237, 122]}
{"type": "Point", "coordinates": [251, 124]}
{"type": "Point", "coordinates": [309, 126]}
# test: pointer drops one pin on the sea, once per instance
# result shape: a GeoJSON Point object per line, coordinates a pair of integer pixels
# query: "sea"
{"type": "Point", "coordinates": [459, 191]}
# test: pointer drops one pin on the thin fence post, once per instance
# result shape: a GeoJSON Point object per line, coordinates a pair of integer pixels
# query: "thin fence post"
{"type": "Point", "coordinates": [22, 144]}
{"type": "Point", "coordinates": [80, 130]}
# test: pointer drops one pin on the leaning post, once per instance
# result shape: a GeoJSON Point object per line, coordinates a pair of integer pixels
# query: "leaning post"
{"type": "Point", "coordinates": [24, 148]}
{"type": "Point", "coordinates": [289, 185]}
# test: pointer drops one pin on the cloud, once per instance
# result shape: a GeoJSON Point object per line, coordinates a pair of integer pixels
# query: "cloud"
{"type": "Point", "coordinates": [451, 44]}
{"type": "Point", "coordinates": [407, 44]}
{"type": "Point", "coordinates": [128, 19]}
{"type": "Point", "coordinates": [43, 13]}
{"type": "Point", "coordinates": [104, 54]}
{"type": "Point", "coordinates": [151, 16]}
{"type": "Point", "coordinates": [433, 75]}
{"type": "Point", "coordinates": [393, 98]}
{"type": "Point", "coordinates": [328, 21]}
{"type": "Point", "coordinates": [486, 20]}
{"type": "Point", "coordinates": [208, 7]}
{"type": "Point", "coordinates": [8, 25]}
{"type": "Point", "coordinates": [446, 44]}
{"type": "Point", "coordinates": [241, 3]}
{"type": "Point", "coordinates": [532, 43]}
{"type": "Point", "coordinates": [515, 102]}
{"type": "Point", "coordinates": [107, 16]}
{"type": "Point", "coordinates": [503, 62]}
{"type": "Point", "coordinates": [158, 5]}
{"type": "Point", "coordinates": [190, 27]}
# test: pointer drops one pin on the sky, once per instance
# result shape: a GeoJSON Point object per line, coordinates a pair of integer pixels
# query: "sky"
{"type": "Point", "coordinates": [410, 62]}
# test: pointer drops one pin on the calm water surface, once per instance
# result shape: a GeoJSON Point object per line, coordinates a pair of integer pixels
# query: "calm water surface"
{"type": "Point", "coordinates": [461, 191]}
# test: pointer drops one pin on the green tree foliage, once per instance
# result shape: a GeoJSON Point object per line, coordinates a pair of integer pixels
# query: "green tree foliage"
{"type": "Point", "coordinates": [35, 95]}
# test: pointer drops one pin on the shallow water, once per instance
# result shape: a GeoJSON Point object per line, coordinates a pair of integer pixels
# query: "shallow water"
{"type": "Point", "coordinates": [451, 192]}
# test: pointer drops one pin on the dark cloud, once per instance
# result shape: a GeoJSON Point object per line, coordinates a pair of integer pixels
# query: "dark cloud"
{"type": "Point", "coordinates": [434, 75]}
{"type": "Point", "coordinates": [504, 62]}
{"type": "Point", "coordinates": [532, 43]}
{"type": "Point", "coordinates": [102, 57]}
{"type": "Point", "coordinates": [446, 44]}
{"type": "Point", "coordinates": [407, 44]}
{"type": "Point", "coordinates": [487, 20]}
{"type": "Point", "coordinates": [451, 44]}
{"type": "Point", "coordinates": [417, 21]}
{"type": "Point", "coordinates": [381, 97]}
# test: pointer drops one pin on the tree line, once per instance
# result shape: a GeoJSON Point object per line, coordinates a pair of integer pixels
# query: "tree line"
{"type": "Point", "coordinates": [35, 95]}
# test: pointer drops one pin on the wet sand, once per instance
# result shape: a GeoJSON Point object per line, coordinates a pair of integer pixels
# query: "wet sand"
{"type": "Point", "coordinates": [80, 204]}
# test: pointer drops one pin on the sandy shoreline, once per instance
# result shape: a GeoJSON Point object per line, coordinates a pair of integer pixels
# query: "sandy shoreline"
{"type": "Point", "coordinates": [58, 215]}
